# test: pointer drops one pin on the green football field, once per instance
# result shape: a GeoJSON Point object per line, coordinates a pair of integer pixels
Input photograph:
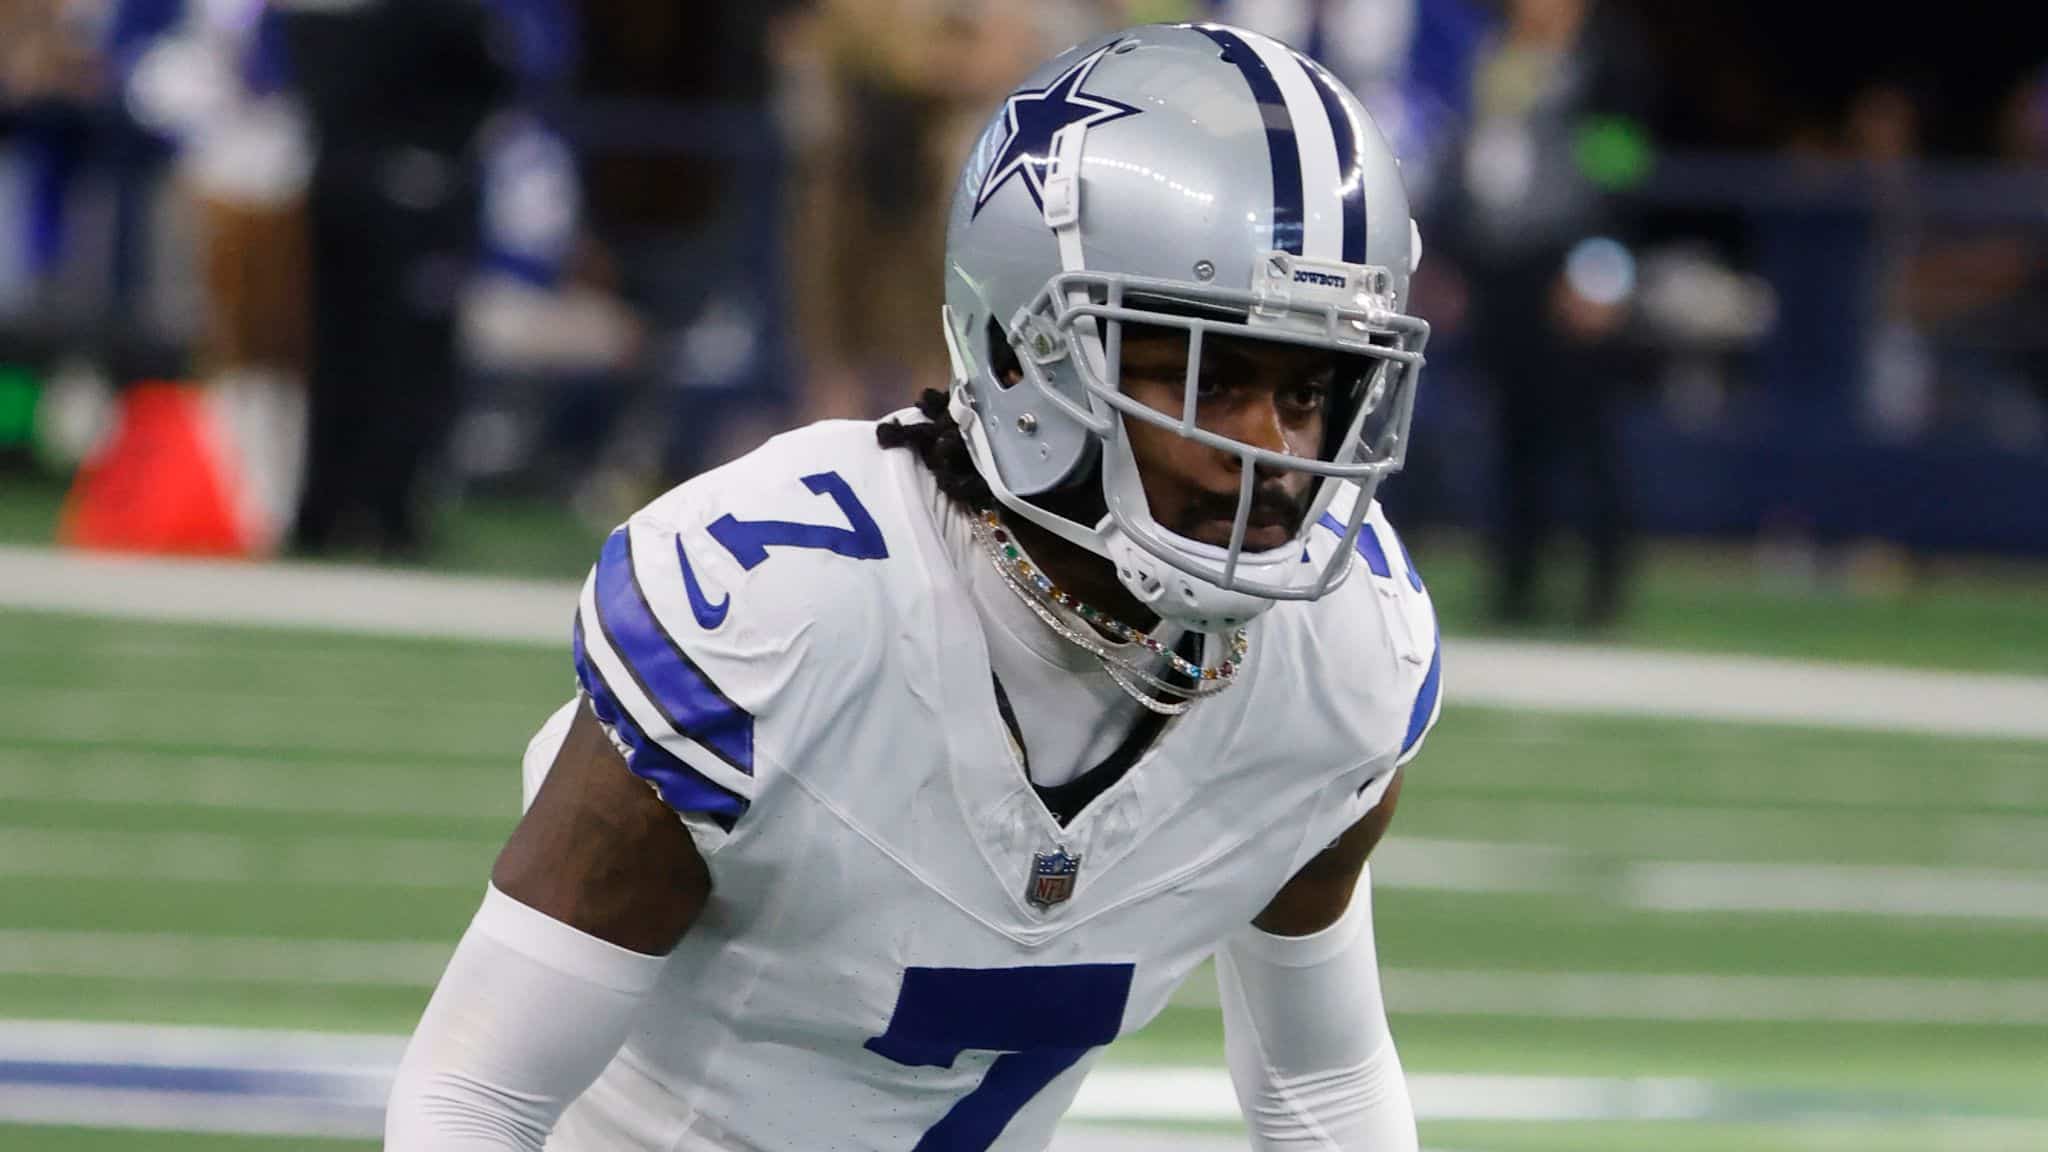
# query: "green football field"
{"type": "Point", "coordinates": [1714, 936]}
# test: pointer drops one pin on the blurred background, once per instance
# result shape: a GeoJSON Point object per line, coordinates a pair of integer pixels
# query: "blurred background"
{"type": "Point", "coordinates": [1730, 481]}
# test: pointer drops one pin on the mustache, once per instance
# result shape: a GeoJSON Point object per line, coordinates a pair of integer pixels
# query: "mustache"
{"type": "Point", "coordinates": [1271, 504]}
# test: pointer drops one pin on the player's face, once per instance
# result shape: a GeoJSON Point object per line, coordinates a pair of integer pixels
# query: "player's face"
{"type": "Point", "coordinates": [1257, 392]}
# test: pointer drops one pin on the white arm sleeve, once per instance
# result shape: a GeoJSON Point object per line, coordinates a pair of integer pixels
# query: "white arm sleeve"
{"type": "Point", "coordinates": [528, 1013]}
{"type": "Point", "coordinates": [1306, 1033]}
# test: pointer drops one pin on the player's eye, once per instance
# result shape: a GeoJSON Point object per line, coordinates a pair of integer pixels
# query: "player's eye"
{"type": "Point", "coordinates": [1306, 395]}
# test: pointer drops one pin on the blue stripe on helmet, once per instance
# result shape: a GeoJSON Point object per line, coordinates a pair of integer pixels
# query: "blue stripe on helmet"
{"type": "Point", "coordinates": [1283, 154]}
{"type": "Point", "coordinates": [1346, 130]}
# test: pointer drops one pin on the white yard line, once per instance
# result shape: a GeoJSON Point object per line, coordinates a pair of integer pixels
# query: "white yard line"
{"type": "Point", "coordinates": [1719, 997]}
{"type": "Point", "coordinates": [1655, 831]}
{"type": "Point", "coordinates": [249, 1049]}
{"type": "Point", "coordinates": [1430, 865]}
{"type": "Point", "coordinates": [1700, 997]}
{"type": "Point", "coordinates": [1695, 886]}
{"type": "Point", "coordinates": [1573, 678]}
{"type": "Point", "coordinates": [334, 597]}
{"type": "Point", "coordinates": [1118, 1092]}
{"type": "Point", "coordinates": [338, 1076]}
{"type": "Point", "coordinates": [296, 1083]}
{"type": "Point", "coordinates": [232, 960]}
{"type": "Point", "coordinates": [129, 957]}
{"type": "Point", "coordinates": [1087, 1137]}
{"type": "Point", "coordinates": [1511, 674]}
{"type": "Point", "coordinates": [248, 783]}
{"type": "Point", "coordinates": [1419, 863]}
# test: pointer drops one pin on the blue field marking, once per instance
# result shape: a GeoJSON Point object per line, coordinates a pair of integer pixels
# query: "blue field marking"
{"type": "Point", "coordinates": [309, 1084]}
{"type": "Point", "coordinates": [162, 1078]}
{"type": "Point", "coordinates": [230, 1094]}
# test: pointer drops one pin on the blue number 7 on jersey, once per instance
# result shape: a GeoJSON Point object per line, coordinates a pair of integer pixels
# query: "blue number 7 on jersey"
{"type": "Point", "coordinates": [1041, 1019]}
{"type": "Point", "coordinates": [749, 540]}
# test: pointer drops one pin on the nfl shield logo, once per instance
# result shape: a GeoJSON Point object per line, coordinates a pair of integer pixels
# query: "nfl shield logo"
{"type": "Point", "coordinates": [1052, 878]}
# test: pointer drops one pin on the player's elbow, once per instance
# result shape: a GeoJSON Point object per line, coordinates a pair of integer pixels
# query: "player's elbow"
{"type": "Point", "coordinates": [444, 1109]}
{"type": "Point", "coordinates": [1367, 1102]}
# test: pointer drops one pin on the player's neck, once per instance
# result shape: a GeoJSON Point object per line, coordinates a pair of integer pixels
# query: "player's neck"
{"type": "Point", "coordinates": [1081, 574]}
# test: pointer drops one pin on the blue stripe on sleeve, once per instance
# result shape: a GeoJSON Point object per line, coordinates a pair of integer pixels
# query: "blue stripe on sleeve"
{"type": "Point", "coordinates": [1367, 544]}
{"type": "Point", "coordinates": [1375, 554]}
{"type": "Point", "coordinates": [682, 787]}
{"type": "Point", "coordinates": [1283, 152]}
{"type": "Point", "coordinates": [1425, 700]}
{"type": "Point", "coordinates": [685, 696]}
{"type": "Point", "coordinates": [1414, 576]}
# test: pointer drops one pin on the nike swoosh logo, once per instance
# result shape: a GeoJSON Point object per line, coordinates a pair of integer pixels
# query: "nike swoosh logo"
{"type": "Point", "coordinates": [709, 616]}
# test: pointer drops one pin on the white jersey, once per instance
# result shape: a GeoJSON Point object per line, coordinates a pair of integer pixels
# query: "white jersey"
{"type": "Point", "coordinates": [902, 948]}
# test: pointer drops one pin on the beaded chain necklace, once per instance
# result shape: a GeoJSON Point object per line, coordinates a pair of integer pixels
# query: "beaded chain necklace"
{"type": "Point", "coordinates": [1043, 597]}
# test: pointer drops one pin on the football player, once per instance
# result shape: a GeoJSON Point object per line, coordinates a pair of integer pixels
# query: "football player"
{"type": "Point", "coordinates": [915, 761]}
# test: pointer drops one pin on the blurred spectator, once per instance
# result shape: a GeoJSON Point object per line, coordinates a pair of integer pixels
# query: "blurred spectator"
{"type": "Point", "coordinates": [1409, 61]}
{"type": "Point", "coordinates": [66, 64]}
{"type": "Point", "coordinates": [48, 71]}
{"type": "Point", "coordinates": [246, 157]}
{"type": "Point", "coordinates": [2023, 124]}
{"type": "Point", "coordinates": [2023, 141]}
{"type": "Point", "coordinates": [46, 50]}
{"type": "Point", "coordinates": [208, 83]}
{"type": "Point", "coordinates": [544, 302]}
{"type": "Point", "coordinates": [1882, 133]}
{"type": "Point", "coordinates": [397, 91]}
{"type": "Point", "coordinates": [1365, 43]}
{"type": "Point", "coordinates": [888, 97]}
{"type": "Point", "coordinates": [1530, 224]}
{"type": "Point", "coordinates": [1987, 288]}
{"type": "Point", "coordinates": [682, 181]}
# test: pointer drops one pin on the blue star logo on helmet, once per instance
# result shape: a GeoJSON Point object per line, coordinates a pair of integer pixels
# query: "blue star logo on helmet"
{"type": "Point", "coordinates": [1033, 116]}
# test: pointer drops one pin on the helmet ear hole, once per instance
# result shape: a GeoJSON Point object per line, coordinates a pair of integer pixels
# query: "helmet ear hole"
{"type": "Point", "coordinates": [1002, 359]}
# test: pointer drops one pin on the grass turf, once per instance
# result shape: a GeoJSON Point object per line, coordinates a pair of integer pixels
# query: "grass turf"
{"type": "Point", "coordinates": [275, 743]}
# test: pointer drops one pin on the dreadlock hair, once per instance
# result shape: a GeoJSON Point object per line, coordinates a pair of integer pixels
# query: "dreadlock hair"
{"type": "Point", "coordinates": [942, 448]}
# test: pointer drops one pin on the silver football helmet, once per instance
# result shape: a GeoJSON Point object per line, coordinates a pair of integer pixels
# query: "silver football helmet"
{"type": "Point", "coordinates": [1200, 178]}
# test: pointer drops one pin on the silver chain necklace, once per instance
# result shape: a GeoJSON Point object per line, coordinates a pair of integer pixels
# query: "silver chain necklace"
{"type": "Point", "coordinates": [1047, 600]}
